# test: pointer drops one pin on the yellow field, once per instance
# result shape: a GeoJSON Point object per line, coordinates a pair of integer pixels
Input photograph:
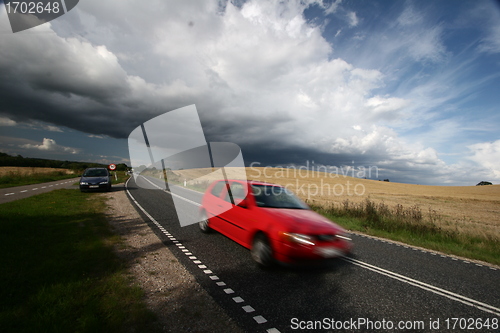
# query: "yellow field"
{"type": "Point", "coordinates": [30, 170]}
{"type": "Point", "coordinates": [473, 210]}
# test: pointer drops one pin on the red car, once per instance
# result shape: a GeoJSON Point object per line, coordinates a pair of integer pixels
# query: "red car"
{"type": "Point", "coordinates": [272, 222]}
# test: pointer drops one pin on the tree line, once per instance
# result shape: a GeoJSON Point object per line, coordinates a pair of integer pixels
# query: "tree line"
{"type": "Point", "coordinates": [20, 161]}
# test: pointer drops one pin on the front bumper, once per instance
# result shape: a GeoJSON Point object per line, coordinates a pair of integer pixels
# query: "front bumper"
{"type": "Point", "coordinates": [95, 187]}
{"type": "Point", "coordinates": [293, 252]}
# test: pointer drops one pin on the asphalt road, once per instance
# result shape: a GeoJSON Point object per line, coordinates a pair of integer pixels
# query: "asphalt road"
{"type": "Point", "coordinates": [383, 287]}
{"type": "Point", "coordinates": [20, 192]}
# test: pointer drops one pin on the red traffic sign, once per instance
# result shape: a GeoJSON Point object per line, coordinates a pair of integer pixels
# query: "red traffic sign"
{"type": "Point", "coordinates": [112, 167]}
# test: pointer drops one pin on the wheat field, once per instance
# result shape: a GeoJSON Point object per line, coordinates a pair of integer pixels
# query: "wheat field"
{"type": "Point", "coordinates": [30, 170]}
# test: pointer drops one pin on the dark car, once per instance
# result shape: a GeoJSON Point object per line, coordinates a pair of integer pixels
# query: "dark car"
{"type": "Point", "coordinates": [95, 179]}
{"type": "Point", "coordinates": [272, 222]}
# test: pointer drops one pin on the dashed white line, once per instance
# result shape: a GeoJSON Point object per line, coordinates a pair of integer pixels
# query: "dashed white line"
{"type": "Point", "coordinates": [24, 191]}
{"type": "Point", "coordinates": [9, 193]}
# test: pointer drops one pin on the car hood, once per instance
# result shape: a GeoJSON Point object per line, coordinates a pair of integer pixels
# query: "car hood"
{"type": "Point", "coordinates": [304, 221]}
{"type": "Point", "coordinates": [94, 180]}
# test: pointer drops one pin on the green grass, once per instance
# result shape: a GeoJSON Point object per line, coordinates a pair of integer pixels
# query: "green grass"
{"type": "Point", "coordinates": [17, 179]}
{"type": "Point", "coordinates": [59, 272]}
{"type": "Point", "coordinates": [411, 226]}
{"type": "Point", "coordinates": [121, 175]}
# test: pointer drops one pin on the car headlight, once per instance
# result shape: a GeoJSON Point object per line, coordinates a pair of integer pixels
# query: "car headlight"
{"type": "Point", "coordinates": [297, 238]}
{"type": "Point", "coordinates": [84, 183]}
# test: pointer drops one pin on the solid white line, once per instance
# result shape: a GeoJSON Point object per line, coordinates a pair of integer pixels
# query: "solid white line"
{"type": "Point", "coordinates": [436, 290]}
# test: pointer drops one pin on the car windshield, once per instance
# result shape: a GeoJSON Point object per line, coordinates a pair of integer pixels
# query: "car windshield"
{"type": "Point", "coordinates": [276, 197]}
{"type": "Point", "coordinates": [95, 173]}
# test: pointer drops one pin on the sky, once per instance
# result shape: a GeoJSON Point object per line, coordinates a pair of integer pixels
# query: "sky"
{"type": "Point", "coordinates": [410, 88]}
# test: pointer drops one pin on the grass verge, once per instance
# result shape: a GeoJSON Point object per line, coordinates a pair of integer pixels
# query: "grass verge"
{"type": "Point", "coordinates": [121, 177]}
{"type": "Point", "coordinates": [411, 226]}
{"type": "Point", "coordinates": [59, 272]}
{"type": "Point", "coordinates": [18, 179]}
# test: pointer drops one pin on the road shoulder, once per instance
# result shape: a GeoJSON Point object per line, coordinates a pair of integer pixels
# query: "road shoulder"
{"type": "Point", "coordinates": [173, 294]}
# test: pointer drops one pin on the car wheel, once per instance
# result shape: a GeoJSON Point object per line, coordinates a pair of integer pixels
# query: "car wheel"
{"type": "Point", "coordinates": [262, 253]}
{"type": "Point", "coordinates": [204, 227]}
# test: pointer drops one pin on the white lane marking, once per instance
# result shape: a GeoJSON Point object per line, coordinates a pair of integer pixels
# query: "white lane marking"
{"type": "Point", "coordinates": [423, 251]}
{"type": "Point", "coordinates": [260, 319]}
{"type": "Point", "coordinates": [34, 189]}
{"type": "Point", "coordinates": [436, 290]}
{"type": "Point", "coordinates": [24, 191]}
{"type": "Point", "coordinates": [228, 291]}
{"type": "Point", "coordinates": [248, 308]}
{"type": "Point", "coordinates": [9, 193]}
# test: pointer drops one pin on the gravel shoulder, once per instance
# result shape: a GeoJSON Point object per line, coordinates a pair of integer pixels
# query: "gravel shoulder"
{"type": "Point", "coordinates": [170, 291]}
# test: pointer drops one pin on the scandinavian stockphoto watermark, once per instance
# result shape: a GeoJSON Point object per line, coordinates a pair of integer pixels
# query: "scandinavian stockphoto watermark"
{"type": "Point", "coordinates": [28, 14]}
{"type": "Point", "coordinates": [164, 147]}
{"type": "Point", "coordinates": [298, 178]}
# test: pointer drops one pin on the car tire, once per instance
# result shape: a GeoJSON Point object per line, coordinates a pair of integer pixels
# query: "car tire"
{"type": "Point", "coordinates": [203, 224]}
{"type": "Point", "coordinates": [262, 252]}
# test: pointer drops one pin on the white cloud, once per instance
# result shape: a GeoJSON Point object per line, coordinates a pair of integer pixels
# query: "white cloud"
{"type": "Point", "coordinates": [4, 121]}
{"type": "Point", "coordinates": [258, 73]}
{"type": "Point", "coordinates": [487, 155]}
{"type": "Point", "coordinates": [50, 145]}
{"type": "Point", "coordinates": [353, 19]}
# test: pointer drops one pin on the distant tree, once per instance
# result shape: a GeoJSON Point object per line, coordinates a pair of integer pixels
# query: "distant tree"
{"type": "Point", "coordinates": [483, 183]}
{"type": "Point", "coordinates": [121, 167]}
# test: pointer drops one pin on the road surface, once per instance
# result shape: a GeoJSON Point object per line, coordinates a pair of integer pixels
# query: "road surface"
{"type": "Point", "coordinates": [383, 287]}
{"type": "Point", "coordinates": [20, 192]}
